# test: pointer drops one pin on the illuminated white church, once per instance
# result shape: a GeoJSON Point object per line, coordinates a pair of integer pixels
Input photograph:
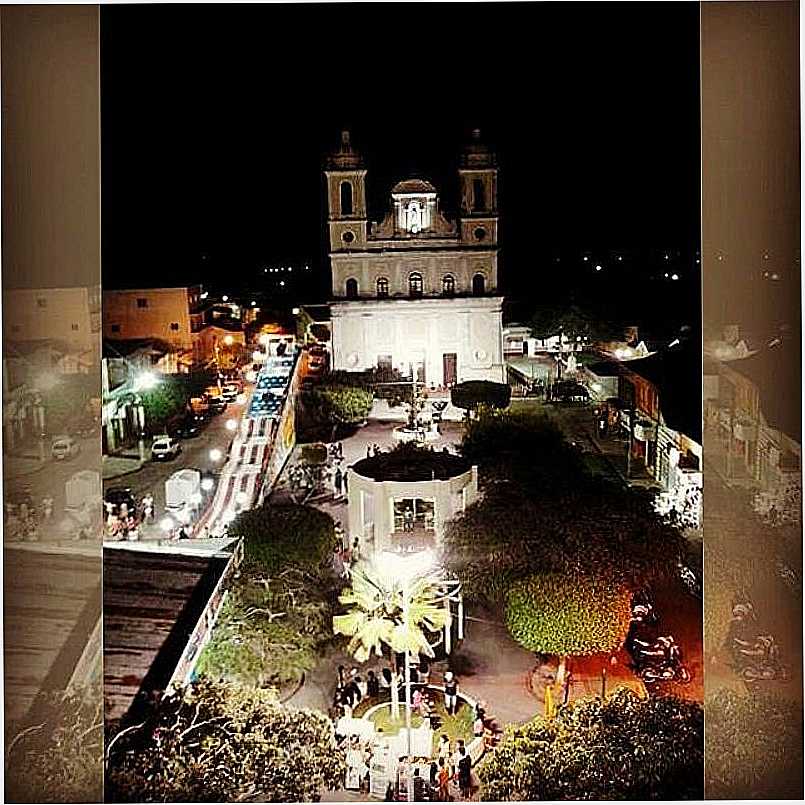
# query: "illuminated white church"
{"type": "Point", "coordinates": [416, 292]}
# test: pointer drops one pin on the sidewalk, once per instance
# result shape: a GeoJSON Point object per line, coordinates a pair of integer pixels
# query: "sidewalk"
{"type": "Point", "coordinates": [18, 466]}
{"type": "Point", "coordinates": [116, 466]}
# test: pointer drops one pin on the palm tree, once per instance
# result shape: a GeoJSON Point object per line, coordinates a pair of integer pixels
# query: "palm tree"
{"type": "Point", "coordinates": [393, 606]}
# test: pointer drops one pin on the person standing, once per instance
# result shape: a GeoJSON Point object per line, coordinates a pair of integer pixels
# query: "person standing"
{"type": "Point", "coordinates": [372, 685]}
{"type": "Point", "coordinates": [344, 478]}
{"type": "Point", "coordinates": [450, 693]}
{"type": "Point", "coordinates": [148, 507]}
{"type": "Point", "coordinates": [338, 479]}
{"type": "Point", "coordinates": [443, 778]}
{"type": "Point", "coordinates": [464, 773]}
{"type": "Point", "coordinates": [47, 507]}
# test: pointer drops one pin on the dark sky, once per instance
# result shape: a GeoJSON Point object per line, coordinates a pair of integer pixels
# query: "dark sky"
{"type": "Point", "coordinates": [215, 121]}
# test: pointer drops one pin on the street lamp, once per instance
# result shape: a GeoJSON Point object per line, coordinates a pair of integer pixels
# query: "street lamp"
{"type": "Point", "coordinates": [232, 424]}
{"type": "Point", "coordinates": [216, 454]}
{"type": "Point", "coordinates": [207, 484]}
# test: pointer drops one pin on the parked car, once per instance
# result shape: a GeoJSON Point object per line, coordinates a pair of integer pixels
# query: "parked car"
{"type": "Point", "coordinates": [230, 391]}
{"type": "Point", "coordinates": [64, 448]}
{"type": "Point", "coordinates": [217, 404]}
{"type": "Point", "coordinates": [165, 448]}
{"type": "Point", "coordinates": [188, 427]}
{"type": "Point", "coordinates": [120, 494]}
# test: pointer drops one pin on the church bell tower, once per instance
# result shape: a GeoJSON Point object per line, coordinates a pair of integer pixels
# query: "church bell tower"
{"type": "Point", "coordinates": [346, 198]}
{"type": "Point", "coordinates": [478, 175]}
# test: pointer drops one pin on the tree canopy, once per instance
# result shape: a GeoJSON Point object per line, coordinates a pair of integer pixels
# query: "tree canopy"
{"type": "Point", "coordinates": [572, 320]}
{"type": "Point", "coordinates": [60, 759]}
{"type": "Point", "coordinates": [473, 393]}
{"type": "Point", "coordinates": [338, 404]}
{"type": "Point", "coordinates": [214, 742]}
{"type": "Point", "coordinates": [754, 746]}
{"type": "Point", "coordinates": [568, 615]}
{"type": "Point", "coordinates": [625, 748]}
{"type": "Point", "coordinates": [278, 535]}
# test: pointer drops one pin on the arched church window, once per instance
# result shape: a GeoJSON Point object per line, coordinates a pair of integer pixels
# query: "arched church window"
{"type": "Point", "coordinates": [448, 285]}
{"type": "Point", "coordinates": [352, 288]}
{"type": "Point", "coordinates": [346, 198]}
{"type": "Point", "coordinates": [478, 285]}
{"type": "Point", "coordinates": [415, 284]}
{"type": "Point", "coordinates": [382, 287]}
{"type": "Point", "coordinates": [478, 195]}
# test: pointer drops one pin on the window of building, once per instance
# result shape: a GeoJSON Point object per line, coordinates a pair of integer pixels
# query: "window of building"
{"type": "Point", "coordinates": [142, 302]}
{"type": "Point", "coordinates": [346, 198]}
{"type": "Point", "coordinates": [478, 195]}
{"type": "Point", "coordinates": [41, 302]}
{"type": "Point", "coordinates": [478, 285]}
{"type": "Point", "coordinates": [415, 284]}
{"type": "Point", "coordinates": [74, 327]}
{"type": "Point", "coordinates": [174, 325]}
{"type": "Point", "coordinates": [352, 288]}
{"type": "Point", "coordinates": [448, 285]}
{"type": "Point", "coordinates": [115, 328]}
{"type": "Point", "coordinates": [382, 287]}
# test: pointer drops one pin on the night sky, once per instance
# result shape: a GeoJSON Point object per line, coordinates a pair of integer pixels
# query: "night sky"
{"type": "Point", "coordinates": [215, 122]}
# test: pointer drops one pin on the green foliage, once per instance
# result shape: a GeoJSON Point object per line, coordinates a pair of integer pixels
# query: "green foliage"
{"type": "Point", "coordinates": [269, 631]}
{"type": "Point", "coordinates": [67, 403]}
{"type": "Point", "coordinates": [754, 746]}
{"type": "Point", "coordinates": [473, 393]}
{"type": "Point", "coordinates": [377, 603]}
{"type": "Point", "coordinates": [314, 453]}
{"type": "Point", "coordinates": [164, 401]}
{"type": "Point", "coordinates": [216, 742]}
{"type": "Point", "coordinates": [572, 320]}
{"type": "Point", "coordinates": [569, 614]}
{"type": "Point", "coordinates": [338, 404]}
{"type": "Point", "coordinates": [59, 758]}
{"type": "Point", "coordinates": [625, 748]}
{"type": "Point", "coordinates": [278, 535]}
{"type": "Point", "coordinates": [320, 332]}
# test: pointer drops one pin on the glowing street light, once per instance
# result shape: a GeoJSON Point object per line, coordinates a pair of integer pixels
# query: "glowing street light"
{"type": "Point", "coordinates": [224, 298]}
{"type": "Point", "coordinates": [231, 424]}
{"type": "Point", "coordinates": [216, 454]}
{"type": "Point", "coordinates": [145, 381]}
{"type": "Point", "coordinates": [228, 340]}
{"type": "Point", "coordinates": [207, 484]}
{"type": "Point", "coordinates": [295, 311]}
{"type": "Point", "coordinates": [166, 524]}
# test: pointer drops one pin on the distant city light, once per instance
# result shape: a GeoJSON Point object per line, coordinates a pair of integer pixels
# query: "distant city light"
{"type": "Point", "coordinates": [666, 256]}
{"type": "Point", "coordinates": [205, 295]}
{"type": "Point", "coordinates": [766, 256]}
{"type": "Point", "coordinates": [307, 268]}
{"type": "Point", "coordinates": [225, 298]}
{"type": "Point", "coordinates": [598, 267]}
{"type": "Point", "coordinates": [586, 258]}
{"type": "Point", "coordinates": [228, 340]}
{"type": "Point", "coordinates": [775, 276]}
{"type": "Point", "coordinates": [207, 484]}
{"type": "Point", "coordinates": [282, 283]}
{"type": "Point", "coordinates": [253, 303]}
{"type": "Point", "coordinates": [620, 257]}
{"type": "Point", "coordinates": [666, 275]}
{"type": "Point", "coordinates": [674, 276]}
{"type": "Point", "coordinates": [295, 311]}
{"type": "Point", "coordinates": [674, 342]}
{"type": "Point", "coordinates": [216, 454]}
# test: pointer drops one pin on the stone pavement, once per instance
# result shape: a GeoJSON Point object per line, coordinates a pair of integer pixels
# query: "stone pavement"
{"type": "Point", "coordinates": [116, 466]}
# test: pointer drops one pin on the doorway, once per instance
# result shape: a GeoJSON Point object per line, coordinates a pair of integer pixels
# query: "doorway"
{"type": "Point", "coordinates": [450, 368]}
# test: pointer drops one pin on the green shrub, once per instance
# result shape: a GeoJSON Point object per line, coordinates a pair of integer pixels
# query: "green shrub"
{"type": "Point", "coordinates": [338, 405]}
{"type": "Point", "coordinates": [568, 614]}
{"type": "Point", "coordinates": [276, 536]}
{"type": "Point", "coordinates": [314, 453]}
{"type": "Point", "coordinates": [473, 393]}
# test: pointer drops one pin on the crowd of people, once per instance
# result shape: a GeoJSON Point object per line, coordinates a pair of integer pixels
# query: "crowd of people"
{"type": "Point", "coordinates": [23, 520]}
{"type": "Point", "coordinates": [440, 776]}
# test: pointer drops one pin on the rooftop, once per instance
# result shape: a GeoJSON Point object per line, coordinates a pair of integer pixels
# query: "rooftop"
{"type": "Point", "coordinates": [151, 604]}
{"type": "Point", "coordinates": [410, 463]}
{"type": "Point", "coordinates": [413, 186]}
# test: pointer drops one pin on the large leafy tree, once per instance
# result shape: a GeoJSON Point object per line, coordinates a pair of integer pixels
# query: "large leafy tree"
{"type": "Point", "coordinates": [474, 393]}
{"type": "Point", "coordinates": [60, 757]}
{"type": "Point", "coordinates": [625, 747]}
{"type": "Point", "coordinates": [568, 614]}
{"type": "Point", "coordinates": [338, 404]}
{"type": "Point", "coordinates": [163, 401]}
{"type": "Point", "coordinates": [215, 742]}
{"type": "Point", "coordinates": [278, 535]}
{"type": "Point", "coordinates": [754, 746]}
{"type": "Point", "coordinates": [570, 319]}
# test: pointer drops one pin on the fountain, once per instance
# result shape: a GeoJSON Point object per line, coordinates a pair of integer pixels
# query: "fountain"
{"type": "Point", "coordinates": [416, 429]}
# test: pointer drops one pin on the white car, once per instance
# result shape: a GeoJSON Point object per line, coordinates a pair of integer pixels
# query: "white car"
{"type": "Point", "coordinates": [64, 447]}
{"type": "Point", "coordinates": [165, 448]}
{"type": "Point", "coordinates": [230, 392]}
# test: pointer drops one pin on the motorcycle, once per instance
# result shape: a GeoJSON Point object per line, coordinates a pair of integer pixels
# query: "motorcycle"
{"type": "Point", "coordinates": [661, 662]}
{"type": "Point", "coordinates": [759, 661]}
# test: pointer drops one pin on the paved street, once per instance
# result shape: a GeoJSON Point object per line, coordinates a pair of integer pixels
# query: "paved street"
{"type": "Point", "coordinates": [151, 477]}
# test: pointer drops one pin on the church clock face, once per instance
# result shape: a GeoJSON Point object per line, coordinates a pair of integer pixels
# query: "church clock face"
{"type": "Point", "coordinates": [348, 237]}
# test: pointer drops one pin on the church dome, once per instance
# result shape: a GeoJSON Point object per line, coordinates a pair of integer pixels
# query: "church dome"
{"type": "Point", "coordinates": [413, 186]}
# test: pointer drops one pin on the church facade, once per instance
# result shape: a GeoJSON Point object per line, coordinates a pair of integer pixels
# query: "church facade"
{"type": "Point", "coordinates": [416, 292]}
